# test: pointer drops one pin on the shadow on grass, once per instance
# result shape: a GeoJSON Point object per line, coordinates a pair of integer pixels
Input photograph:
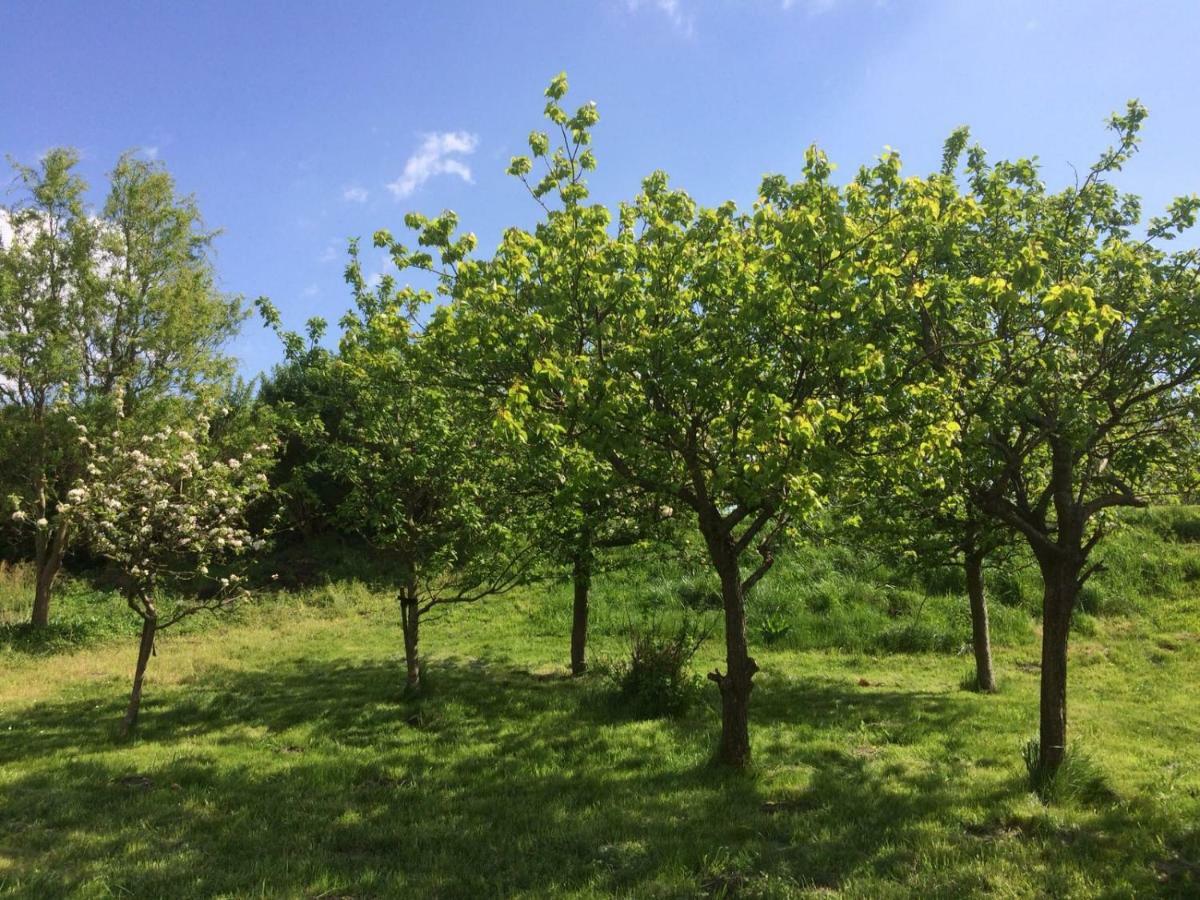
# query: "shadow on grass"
{"type": "Point", "coordinates": [320, 780]}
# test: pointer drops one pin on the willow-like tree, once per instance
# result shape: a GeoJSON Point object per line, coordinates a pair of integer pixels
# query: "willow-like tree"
{"type": "Point", "coordinates": [718, 361]}
{"type": "Point", "coordinates": [1084, 372]}
{"type": "Point", "coordinates": [89, 300]}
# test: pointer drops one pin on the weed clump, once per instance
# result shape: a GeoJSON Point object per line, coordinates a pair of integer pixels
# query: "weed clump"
{"type": "Point", "coordinates": [1078, 779]}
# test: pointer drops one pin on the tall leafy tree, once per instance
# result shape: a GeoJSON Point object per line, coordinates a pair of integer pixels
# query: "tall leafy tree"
{"type": "Point", "coordinates": [1081, 383]}
{"type": "Point", "coordinates": [718, 361]}
{"type": "Point", "coordinates": [93, 302]}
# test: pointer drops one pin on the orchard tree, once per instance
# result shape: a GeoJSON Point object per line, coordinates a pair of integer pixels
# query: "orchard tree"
{"type": "Point", "coordinates": [927, 517]}
{"type": "Point", "coordinates": [165, 508]}
{"type": "Point", "coordinates": [429, 480]}
{"type": "Point", "coordinates": [1082, 383]}
{"type": "Point", "coordinates": [493, 349]}
{"type": "Point", "coordinates": [720, 362]}
{"type": "Point", "coordinates": [90, 300]}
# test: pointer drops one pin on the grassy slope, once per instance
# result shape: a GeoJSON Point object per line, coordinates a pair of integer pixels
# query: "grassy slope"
{"type": "Point", "coordinates": [277, 758]}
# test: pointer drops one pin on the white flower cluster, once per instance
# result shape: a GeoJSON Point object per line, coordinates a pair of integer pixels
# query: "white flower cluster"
{"type": "Point", "coordinates": [165, 503]}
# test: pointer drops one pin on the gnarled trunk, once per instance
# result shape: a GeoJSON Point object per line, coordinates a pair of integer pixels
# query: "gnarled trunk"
{"type": "Point", "coordinates": [1058, 602]}
{"type": "Point", "coordinates": [145, 651]}
{"type": "Point", "coordinates": [981, 640]}
{"type": "Point", "coordinates": [736, 683]}
{"type": "Point", "coordinates": [410, 621]}
{"type": "Point", "coordinates": [582, 578]}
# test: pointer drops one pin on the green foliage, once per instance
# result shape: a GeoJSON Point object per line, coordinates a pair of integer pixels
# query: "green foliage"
{"type": "Point", "coordinates": [655, 678]}
{"type": "Point", "coordinates": [101, 310]}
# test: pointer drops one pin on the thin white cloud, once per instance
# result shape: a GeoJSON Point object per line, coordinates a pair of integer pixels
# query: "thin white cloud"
{"type": "Point", "coordinates": [332, 251]}
{"type": "Point", "coordinates": [439, 154]}
{"type": "Point", "coordinates": [151, 153]}
{"type": "Point", "coordinates": [355, 194]}
{"type": "Point", "coordinates": [680, 19]}
{"type": "Point", "coordinates": [311, 291]}
{"type": "Point", "coordinates": [816, 7]}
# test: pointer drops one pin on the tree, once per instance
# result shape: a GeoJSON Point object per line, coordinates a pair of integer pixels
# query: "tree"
{"type": "Point", "coordinates": [429, 482]}
{"type": "Point", "coordinates": [926, 517]}
{"type": "Point", "coordinates": [717, 361]}
{"type": "Point", "coordinates": [164, 507]}
{"type": "Point", "coordinates": [93, 300]}
{"type": "Point", "coordinates": [1085, 371]}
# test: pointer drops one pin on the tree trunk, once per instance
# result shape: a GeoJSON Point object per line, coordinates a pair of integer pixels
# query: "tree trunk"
{"type": "Point", "coordinates": [981, 640]}
{"type": "Point", "coordinates": [736, 684]}
{"type": "Point", "coordinates": [1058, 602]}
{"type": "Point", "coordinates": [410, 620]}
{"type": "Point", "coordinates": [582, 577]}
{"type": "Point", "coordinates": [48, 561]}
{"type": "Point", "coordinates": [145, 649]}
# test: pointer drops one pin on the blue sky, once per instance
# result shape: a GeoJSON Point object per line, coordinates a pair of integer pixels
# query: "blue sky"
{"type": "Point", "coordinates": [298, 125]}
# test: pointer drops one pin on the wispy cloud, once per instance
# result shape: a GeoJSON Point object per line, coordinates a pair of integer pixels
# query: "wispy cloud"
{"type": "Point", "coordinates": [355, 194]}
{"type": "Point", "coordinates": [332, 251]}
{"type": "Point", "coordinates": [814, 7]}
{"type": "Point", "coordinates": [151, 152]}
{"type": "Point", "coordinates": [311, 291]}
{"type": "Point", "coordinates": [680, 18]}
{"type": "Point", "coordinates": [439, 154]}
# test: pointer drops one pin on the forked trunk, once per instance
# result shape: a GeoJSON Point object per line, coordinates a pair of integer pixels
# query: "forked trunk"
{"type": "Point", "coordinates": [582, 577]}
{"type": "Point", "coordinates": [145, 651]}
{"type": "Point", "coordinates": [981, 640]}
{"type": "Point", "coordinates": [410, 620]}
{"type": "Point", "coordinates": [1058, 602]}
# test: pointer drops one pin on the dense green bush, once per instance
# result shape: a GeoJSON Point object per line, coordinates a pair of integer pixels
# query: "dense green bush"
{"type": "Point", "coordinates": [655, 679]}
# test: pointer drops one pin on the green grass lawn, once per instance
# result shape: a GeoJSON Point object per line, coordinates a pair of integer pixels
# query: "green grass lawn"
{"type": "Point", "coordinates": [277, 757]}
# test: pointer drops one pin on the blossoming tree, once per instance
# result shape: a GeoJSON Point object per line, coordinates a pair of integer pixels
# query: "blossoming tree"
{"type": "Point", "coordinates": [165, 508]}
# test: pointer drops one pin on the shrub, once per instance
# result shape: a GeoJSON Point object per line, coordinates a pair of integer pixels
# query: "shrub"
{"type": "Point", "coordinates": [916, 637]}
{"type": "Point", "coordinates": [655, 680]}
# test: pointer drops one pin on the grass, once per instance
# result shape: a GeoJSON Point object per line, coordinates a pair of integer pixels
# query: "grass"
{"type": "Point", "coordinates": [277, 755]}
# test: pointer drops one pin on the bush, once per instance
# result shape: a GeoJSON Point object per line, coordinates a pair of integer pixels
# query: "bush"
{"type": "Point", "coordinates": [916, 637]}
{"type": "Point", "coordinates": [655, 681]}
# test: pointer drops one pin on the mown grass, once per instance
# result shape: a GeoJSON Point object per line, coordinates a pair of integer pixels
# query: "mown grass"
{"type": "Point", "coordinates": [278, 756]}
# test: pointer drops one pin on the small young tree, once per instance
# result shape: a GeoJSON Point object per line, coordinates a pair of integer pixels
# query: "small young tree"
{"type": "Point", "coordinates": [429, 481]}
{"type": "Point", "coordinates": [1084, 373]}
{"type": "Point", "coordinates": [165, 508]}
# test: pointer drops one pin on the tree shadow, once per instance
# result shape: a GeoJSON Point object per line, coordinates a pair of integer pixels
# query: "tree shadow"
{"type": "Point", "coordinates": [321, 779]}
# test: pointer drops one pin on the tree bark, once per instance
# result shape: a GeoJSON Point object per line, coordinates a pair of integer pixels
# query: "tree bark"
{"type": "Point", "coordinates": [48, 561]}
{"type": "Point", "coordinates": [410, 621]}
{"type": "Point", "coordinates": [981, 640]}
{"type": "Point", "coordinates": [737, 682]}
{"type": "Point", "coordinates": [582, 577]}
{"type": "Point", "coordinates": [145, 650]}
{"type": "Point", "coordinates": [1058, 602]}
